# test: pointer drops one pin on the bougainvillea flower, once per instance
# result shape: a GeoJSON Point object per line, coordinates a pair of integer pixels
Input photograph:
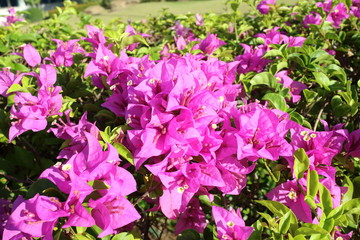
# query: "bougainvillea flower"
{"type": "Point", "coordinates": [199, 20]}
{"type": "Point", "coordinates": [337, 15]}
{"type": "Point", "coordinates": [259, 133]}
{"type": "Point", "coordinates": [273, 36]}
{"type": "Point", "coordinates": [35, 217]}
{"type": "Point", "coordinates": [5, 211]}
{"type": "Point", "coordinates": [343, 236]}
{"type": "Point", "coordinates": [312, 18]}
{"type": "Point", "coordinates": [12, 18]}
{"type": "Point", "coordinates": [7, 79]}
{"type": "Point", "coordinates": [230, 225]}
{"type": "Point", "coordinates": [95, 36]}
{"type": "Point", "coordinates": [326, 5]}
{"type": "Point", "coordinates": [111, 212]}
{"type": "Point", "coordinates": [320, 147]}
{"type": "Point", "coordinates": [29, 114]}
{"type": "Point", "coordinates": [289, 194]}
{"type": "Point", "coordinates": [131, 31]}
{"type": "Point", "coordinates": [252, 59]}
{"type": "Point", "coordinates": [355, 8]}
{"type": "Point", "coordinates": [352, 145]}
{"type": "Point", "coordinates": [210, 44]}
{"type": "Point", "coordinates": [294, 86]}
{"type": "Point", "coordinates": [180, 186]}
{"type": "Point", "coordinates": [192, 218]}
{"type": "Point", "coordinates": [264, 6]}
{"type": "Point", "coordinates": [63, 55]}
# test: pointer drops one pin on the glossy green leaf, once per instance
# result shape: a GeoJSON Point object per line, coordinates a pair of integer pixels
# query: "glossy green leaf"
{"type": "Point", "coordinates": [312, 183]}
{"type": "Point", "coordinates": [276, 208]}
{"type": "Point", "coordinates": [189, 234]}
{"type": "Point", "coordinates": [309, 95]}
{"type": "Point", "coordinates": [322, 80]}
{"type": "Point", "coordinates": [309, 229]}
{"type": "Point", "coordinates": [265, 78]}
{"type": "Point", "coordinates": [39, 186]}
{"type": "Point", "coordinates": [16, 88]}
{"type": "Point", "coordinates": [325, 199]}
{"type": "Point", "coordinates": [301, 163]}
{"type": "Point", "coordinates": [123, 236]}
{"type": "Point", "coordinates": [124, 152]}
{"type": "Point", "coordinates": [276, 100]}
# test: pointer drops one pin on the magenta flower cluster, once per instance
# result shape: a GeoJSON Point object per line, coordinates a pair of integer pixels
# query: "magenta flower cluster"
{"type": "Point", "coordinates": [12, 18]}
{"type": "Point", "coordinates": [188, 130]}
{"type": "Point", "coordinates": [187, 127]}
{"type": "Point", "coordinates": [92, 180]}
{"type": "Point", "coordinates": [30, 112]}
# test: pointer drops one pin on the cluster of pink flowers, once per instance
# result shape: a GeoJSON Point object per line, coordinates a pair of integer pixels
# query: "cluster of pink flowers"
{"type": "Point", "coordinates": [335, 15]}
{"type": "Point", "coordinates": [12, 18]}
{"type": "Point", "coordinates": [188, 128]}
{"type": "Point", "coordinates": [252, 59]}
{"type": "Point", "coordinates": [90, 177]}
{"type": "Point", "coordinates": [30, 112]}
{"type": "Point", "coordinates": [264, 6]}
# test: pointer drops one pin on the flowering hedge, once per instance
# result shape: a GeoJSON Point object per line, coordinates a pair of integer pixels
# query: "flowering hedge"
{"type": "Point", "coordinates": [232, 126]}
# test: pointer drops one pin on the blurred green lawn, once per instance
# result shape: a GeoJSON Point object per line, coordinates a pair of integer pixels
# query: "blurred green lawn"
{"type": "Point", "coordinates": [143, 10]}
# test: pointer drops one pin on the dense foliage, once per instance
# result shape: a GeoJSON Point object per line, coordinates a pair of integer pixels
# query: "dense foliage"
{"type": "Point", "coordinates": [232, 126]}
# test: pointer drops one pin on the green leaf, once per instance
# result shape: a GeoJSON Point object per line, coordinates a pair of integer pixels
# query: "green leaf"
{"type": "Point", "coordinates": [310, 200]}
{"type": "Point", "coordinates": [312, 183]}
{"type": "Point", "coordinates": [297, 58]}
{"type": "Point", "coordinates": [329, 224]}
{"type": "Point", "coordinates": [105, 136]}
{"type": "Point", "coordinates": [39, 187]}
{"type": "Point", "coordinates": [301, 163]}
{"type": "Point", "coordinates": [126, 41]}
{"type": "Point", "coordinates": [234, 5]}
{"type": "Point", "coordinates": [205, 200]}
{"type": "Point", "coordinates": [276, 208]}
{"type": "Point", "coordinates": [336, 213]}
{"type": "Point", "coordinates": [309, 229]}
{"type": "Point", "coordinates": [273, 53]}
{"type": "Point", "coordinates": [352, 206]}
{"type": "Point", "coordinates": [276, 101]}
{"type": "Point", "coordinates": [189, 234]}
{"type": "Point", "coordinates": [265, 78]}
{"type": "Point", "coordinates": [309, 95]}
{"type": "Point", "coordinates": [299, 237]}
{"type": "Point", "coordinates": [284, 223]}
{"type": "Point", "coordinates": [322, 80]}
{"type": "Point", "coordinates": [16, 88]}
{"type": "Point", "coordinates": [123, 236]}
{"type": "Point", "coordinates": [258, 230]}
{"type": "Point", "coordinates": [352, 188]}
{"type": "Point", "coordinates": [124, 152]}
{"type": "Point", "coordinates": [297, 117]}
{"type": "Point", "coordinates": [271, 221]}
{"type": "Point", "coordinates": [356, 187]}
{"type": "Point", "coordinates": [325, 199]}
{"type": "Point", "coordinates": [81, 230]}
{"type": "Point", "coordinates": [98, 185]}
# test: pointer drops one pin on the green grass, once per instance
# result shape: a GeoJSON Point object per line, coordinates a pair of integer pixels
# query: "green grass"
{"type": "Point", "coordinates": [143, 10]}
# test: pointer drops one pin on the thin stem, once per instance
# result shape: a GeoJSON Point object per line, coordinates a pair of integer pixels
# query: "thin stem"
{"type": "Point", "coordinates": [319, 116]}
{"type": "Point", "coordinates": [146, 194]}
{"type": "Point", "coordinates": [15, 179]}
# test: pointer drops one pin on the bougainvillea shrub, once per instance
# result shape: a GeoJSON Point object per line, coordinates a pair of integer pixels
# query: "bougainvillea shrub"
{"type": "Point", "coordinates": [214, 126]}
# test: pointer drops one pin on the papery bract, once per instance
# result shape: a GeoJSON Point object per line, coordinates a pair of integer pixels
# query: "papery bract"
{"type": "Point", "coordinates": [230, 225]}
